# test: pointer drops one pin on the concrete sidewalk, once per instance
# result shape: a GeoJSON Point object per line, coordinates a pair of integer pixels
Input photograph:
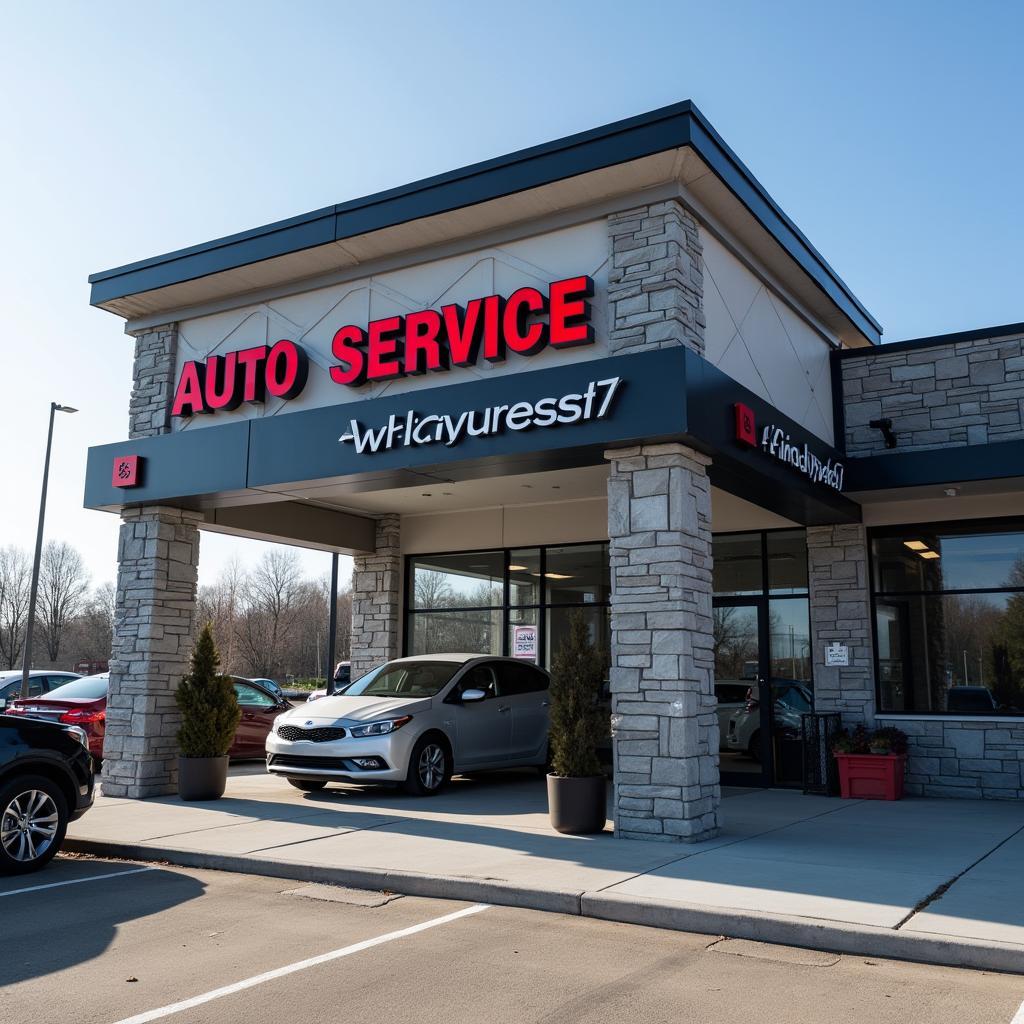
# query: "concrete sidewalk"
{"type": "Point", "coordinates": [932, 880]}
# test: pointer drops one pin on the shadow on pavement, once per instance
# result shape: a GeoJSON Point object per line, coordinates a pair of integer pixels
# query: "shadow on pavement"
{"type": "Point", "coordinates": [50, 930]}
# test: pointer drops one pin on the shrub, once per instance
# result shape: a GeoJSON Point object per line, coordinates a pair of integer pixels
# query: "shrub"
{"type": "Point", "coordinates": [578, 722]}
{"type": "Point", "coordinates": [860, 741]}
{"type": "Point", "coordinates": [209, 707]}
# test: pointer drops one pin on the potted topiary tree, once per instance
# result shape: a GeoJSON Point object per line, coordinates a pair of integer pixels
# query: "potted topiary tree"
{"type": "Point", "coordinates": [577, 790]}
{"type": "Point", "coordinates": [209, 717]}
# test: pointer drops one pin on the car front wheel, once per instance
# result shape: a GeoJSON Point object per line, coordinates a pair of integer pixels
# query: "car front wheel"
{"type": "Point", "coordinates": [429, 767]}
{"type": "Point", "coordinates": [33, 820]}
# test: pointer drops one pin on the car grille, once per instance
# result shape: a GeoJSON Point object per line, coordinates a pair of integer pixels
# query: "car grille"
{"type": "Point", "coordinates": [322, 735]}
{"type": "Point", "coordinates": [327, 764]}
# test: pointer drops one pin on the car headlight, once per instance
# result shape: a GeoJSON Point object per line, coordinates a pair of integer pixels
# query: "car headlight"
{"type": "Point", "coordinates": [379, 728]}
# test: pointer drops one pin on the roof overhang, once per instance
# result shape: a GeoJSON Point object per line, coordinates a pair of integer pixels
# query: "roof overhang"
{"type": "Point", "coordinates": [675, 144]}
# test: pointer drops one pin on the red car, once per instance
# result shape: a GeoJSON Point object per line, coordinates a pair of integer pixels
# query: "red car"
{"type": "Point", "coordinates": [83, 702]}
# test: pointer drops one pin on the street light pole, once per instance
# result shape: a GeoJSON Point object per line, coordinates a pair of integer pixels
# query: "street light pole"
{"type": "Point", "coordinates": [33, 590]}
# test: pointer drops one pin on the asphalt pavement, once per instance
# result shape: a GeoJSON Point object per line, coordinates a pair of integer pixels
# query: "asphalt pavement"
{"type": "Point", "coordinates": [114, 942]}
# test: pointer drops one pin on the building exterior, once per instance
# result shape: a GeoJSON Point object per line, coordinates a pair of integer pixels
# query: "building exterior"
{"type": "Point", "coordinates": [605, 376]}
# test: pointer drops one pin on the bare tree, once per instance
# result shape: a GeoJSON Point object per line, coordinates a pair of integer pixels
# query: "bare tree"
{"type": "Point", "coordinates": [15, 579]}
{"type": "Point", "coordinates": [63, 582]}
{"type": "Point", "coordinates": [272, 605]}
{"type": "Point", "coordinates": [90, 635]}
{"type": "Point", "coordinates": [219, 604]}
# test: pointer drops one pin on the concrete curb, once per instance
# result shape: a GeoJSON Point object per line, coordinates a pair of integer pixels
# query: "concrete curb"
{"type": "Point", "coordinates": [808, 933]}
{"type": "Point", "coordinates": [408, 883]}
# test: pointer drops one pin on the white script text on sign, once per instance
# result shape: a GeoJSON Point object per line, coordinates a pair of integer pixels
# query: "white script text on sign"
{"type": "Point", "coordinates": [413, 429]}
{"type": "Point", "coordinates": [776, 443]}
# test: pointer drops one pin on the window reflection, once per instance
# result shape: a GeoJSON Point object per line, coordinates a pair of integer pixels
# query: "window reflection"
{"type": "Point", "coordinates": [942, 652]}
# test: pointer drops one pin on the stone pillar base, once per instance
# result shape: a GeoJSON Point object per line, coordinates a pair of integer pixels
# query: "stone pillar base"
{"type": "Point", "coordinates": [664, 715]}
{"type": "Point", "coordinates": [154, 622]}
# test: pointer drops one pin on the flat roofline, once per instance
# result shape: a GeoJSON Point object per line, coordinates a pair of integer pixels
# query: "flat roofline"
{"type": "Point", "coordinates": [977, 334]}
{"type": "Point", "coordinates": [671, 127]}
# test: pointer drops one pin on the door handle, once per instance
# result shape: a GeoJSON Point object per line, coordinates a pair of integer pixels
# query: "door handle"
{"type": "Point", "coordinates": [503, 708]}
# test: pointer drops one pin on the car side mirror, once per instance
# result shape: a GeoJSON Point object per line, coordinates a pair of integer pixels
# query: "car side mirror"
{"type": "Point", "coordinates": [473, 695]}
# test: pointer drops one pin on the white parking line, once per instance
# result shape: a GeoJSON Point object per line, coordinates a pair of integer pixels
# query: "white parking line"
{"type": "Point", "coordinates": [301, 965]}
{"type": "Point", "coordinates": [1018, 1017]}
{"type": "Point", "coordinates": [74, 881]}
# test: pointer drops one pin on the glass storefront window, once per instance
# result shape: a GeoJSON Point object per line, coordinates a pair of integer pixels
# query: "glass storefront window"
{"type": "Point", "coordinates": [949, 620]}
{"type": "Point", "coordinates": [473, 601]}
{"type": "Point", "coordinates": [578, 574]}
{"type": "Point", "coordinates": [458, 632]}
{"type": "Point", "coordinates": [524, 576]}
{"type": "Point", "coordinates": [738, 568]}
{"type": "Point", "coordinates": [926, 559]}
{"type": "Point", "coordinates": [787, 561]}
{"type": "Point", "coordinates": [789, 639]}
{"type": "Point", "coordinates": [473, 580]}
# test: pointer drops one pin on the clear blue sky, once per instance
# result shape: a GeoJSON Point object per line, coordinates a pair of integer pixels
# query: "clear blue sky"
{"type": "Point", "coordinates": [891, 134]}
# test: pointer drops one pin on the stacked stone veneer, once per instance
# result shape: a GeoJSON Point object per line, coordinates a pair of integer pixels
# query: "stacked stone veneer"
{"type": "Point", "coordinates": [837, 570]}
{"type": "Point", "coordinates": [655, 285]}
{"type": "Point", "coordinates": [664, 719]}
{"type": "Point", "coordinates": [964, 758]}
{"type": "Point", "coordinates": [153, 382]}
{"type": "Point", "coordinates": [376, 580]}
{"type": "Point", "coordinates": [937, 395]}
{"type": "Point", "coordinates": [154, 621]}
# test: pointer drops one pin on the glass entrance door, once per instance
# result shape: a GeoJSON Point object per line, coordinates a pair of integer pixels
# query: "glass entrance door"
{"type": "Point", "coordinates": [740, 674]}
{"type": "Point", "coordinates": [762, 682]}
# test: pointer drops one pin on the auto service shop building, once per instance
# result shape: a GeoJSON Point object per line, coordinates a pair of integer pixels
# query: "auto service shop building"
{"type": "Point", "coordinates": [605, 375]}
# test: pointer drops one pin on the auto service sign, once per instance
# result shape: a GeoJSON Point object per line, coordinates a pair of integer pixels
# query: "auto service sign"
{"type": "Point", "coordinates": [493, 328]}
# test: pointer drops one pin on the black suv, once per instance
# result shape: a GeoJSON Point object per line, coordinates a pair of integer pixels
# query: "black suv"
{"type": "Point", "coordinates": [46, 781]}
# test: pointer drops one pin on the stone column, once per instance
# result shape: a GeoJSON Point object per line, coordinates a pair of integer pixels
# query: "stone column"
{"type": "Point", "coordinates": [837, 569]}
{"type": "Point", "coordinates": [662, 678]}
{"type": "Point", "coordinates": [158, 558]}
{"type": "Point", "coordinates": [656, 282]}
{"type": "Point", "coordinates": [376, 599]}
{"type": "Point", "coordinates": [153, 381]}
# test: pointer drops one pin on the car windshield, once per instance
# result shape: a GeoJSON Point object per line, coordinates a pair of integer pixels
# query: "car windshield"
{"type": "Point", "coordinates": [405, 679]}
{"type": "Point", "coordinates": [90, 688]}
{"type": "Point", "coordinates": [794, 697]}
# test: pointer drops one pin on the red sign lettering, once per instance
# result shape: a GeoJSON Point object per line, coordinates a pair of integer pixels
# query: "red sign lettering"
{"type": "Point", "coordinates": [424, 341]}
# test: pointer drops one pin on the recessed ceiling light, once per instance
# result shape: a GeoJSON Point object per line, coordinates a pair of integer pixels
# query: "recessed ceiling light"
{"type": "Point", "coordinates": [951, 492]}
{"type": "Point", "coordinates": [517, 568]}
{"type": "Point", "coordinates": [528, 487]}
{"type": "Point", "coordinates": [426, 494]}
{"type": "Point", "coordinates": [556, 487]}
{"type": "Point", "coordinates": [557, 576]}
{"type": "Point", "coordinates": [915, 545]}
{"type": "Point", "coordinates": [929, 554]}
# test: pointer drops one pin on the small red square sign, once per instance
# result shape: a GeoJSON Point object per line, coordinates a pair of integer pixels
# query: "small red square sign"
{"type": "Point", "coordinates": [746, 430]}
{"type": "Point", "coordinates": [126, 471]}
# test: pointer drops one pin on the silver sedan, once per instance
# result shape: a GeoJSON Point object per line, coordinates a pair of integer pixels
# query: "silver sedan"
{"type": "Point", "coordinates": [417, 721]}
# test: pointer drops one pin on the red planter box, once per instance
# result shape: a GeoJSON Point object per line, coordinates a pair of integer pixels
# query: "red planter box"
{"type": "Point", "coordinates": [871, 776]}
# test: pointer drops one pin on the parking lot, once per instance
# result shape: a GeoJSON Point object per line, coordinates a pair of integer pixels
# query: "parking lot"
{"type": "Point", "coordinates": [105, 942]}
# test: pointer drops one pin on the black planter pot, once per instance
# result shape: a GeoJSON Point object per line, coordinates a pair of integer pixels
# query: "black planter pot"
{"type": "Point", "coordinates": [577, 806]}
{"type": "Point", "coordinates": [202, 778]}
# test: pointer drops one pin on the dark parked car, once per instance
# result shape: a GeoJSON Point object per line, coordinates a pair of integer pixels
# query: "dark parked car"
{"type": "Point", "coordinates": [40, 681]}
{"type": "Point", "coordinates": [971, 700]}
{"type": "Point", "coordinates": [84, 703]}
{"type": "Point", "coordinates": [46, 781]}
